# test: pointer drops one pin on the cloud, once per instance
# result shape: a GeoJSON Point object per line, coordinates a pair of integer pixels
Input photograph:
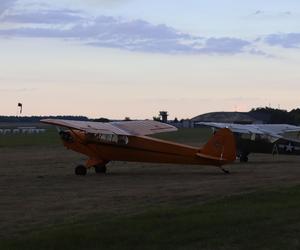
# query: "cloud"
{"type": "Point", "coordinates": [286, 40]}
{"type": "Point", "coordinates": [270, 14]}
{"type": "Point", "coordinates": [225, 45]}
{"type": "Point", "coordinates": [103, 2]}
{"type": "Point", "coordinates": [112, 32]}
{"type": "Point", "coordinates": [258, 12]}
{"type": "Point", "coordinates": [5, 4]}
{"type": "Point", "coordinates": [102, 28]}
{"type": "Point", "coordinates": [150, 46]}
{"type": "Point", "coordinates": [47, 17]}
{"type": "Point", "coordinates": [136, 29]}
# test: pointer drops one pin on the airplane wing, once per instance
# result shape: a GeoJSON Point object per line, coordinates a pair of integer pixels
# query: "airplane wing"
{"type": "Point", "coordinates": [280, 131]}
{"type": "Point", "coordinates": [90, 127]}
{"type": "Point", "coordinates": [273, 131]}
{"type": "Point", "coordinates": [236, 128]}
{"type": "Point", "coordinates": [146, 127]}
{"type": "Point", "coordinates": [279, 128]}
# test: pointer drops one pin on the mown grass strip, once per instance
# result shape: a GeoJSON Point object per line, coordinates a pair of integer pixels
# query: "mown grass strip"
{"type": "Point", "coordinates": [261, 220]}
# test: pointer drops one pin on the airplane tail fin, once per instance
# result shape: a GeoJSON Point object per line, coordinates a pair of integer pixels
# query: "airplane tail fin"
{"type": "Point", "coordinates": [221, 147]}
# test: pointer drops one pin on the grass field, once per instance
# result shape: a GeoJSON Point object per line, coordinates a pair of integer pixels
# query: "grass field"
{"type": "Point", "coordinates": [261, 220]}
{"type": "Point", "coordinates": [50, 137]}
{"type": "Point", "coordinates": [44, 205]}
{"type": "Point", "coordinates": [194, 136]}
{"type": "Point", "coordinates": [191, 136]}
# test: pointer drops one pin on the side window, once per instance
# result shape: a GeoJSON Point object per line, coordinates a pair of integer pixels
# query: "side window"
{"type": "Point", "coordinates": [114, 138]}
{"type": "Point", "coordinates": [102, 137]}
{"type": "Point", "coordinates": [246, 136]}
{"type": "Point", "coordinates": [108, 138]}
{"type": "Point", "coordinates": [122, 139]}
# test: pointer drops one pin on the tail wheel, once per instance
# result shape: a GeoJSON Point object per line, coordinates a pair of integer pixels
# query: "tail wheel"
{"type": "Point", "coordinates": [100, 169]}
{"type": "Point", "coordinates": [80, 170]}
{"type": "Point", "coordinates": [243, 155]}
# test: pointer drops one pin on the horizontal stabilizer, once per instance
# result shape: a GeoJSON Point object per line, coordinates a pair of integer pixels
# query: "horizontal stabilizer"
{"type": "Point", "coordinates": [210, 157]}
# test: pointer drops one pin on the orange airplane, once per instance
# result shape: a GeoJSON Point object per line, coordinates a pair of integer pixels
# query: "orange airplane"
{"type": "Point", "coordinates": [129, 141]}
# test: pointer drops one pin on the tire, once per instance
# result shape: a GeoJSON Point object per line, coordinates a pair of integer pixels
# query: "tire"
{"type": "Point", "coordinates": [244, 159]}
{"type": "Point", "coordinates": [80, 170]}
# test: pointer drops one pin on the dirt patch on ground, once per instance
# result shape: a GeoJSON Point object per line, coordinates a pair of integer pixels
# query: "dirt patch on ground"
{"type": "Point", "coordinates": [38, 186]}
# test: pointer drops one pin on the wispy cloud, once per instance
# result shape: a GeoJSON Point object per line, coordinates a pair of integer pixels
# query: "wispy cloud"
{"type": "Point", "coordinates": [287, 40]}
{"type": "Point", "coordinates": [62, 16]}
{"type": "Point", "coordinates": [5, 4]}
{"type": "Point", "coordinates": [271, 14]}
{"type": "Point", "coordinates": [225, 45]}
{"type": "Point", "coordinates": [112, 32]}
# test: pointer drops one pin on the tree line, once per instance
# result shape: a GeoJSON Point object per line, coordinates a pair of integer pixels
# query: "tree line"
{"type": "Point", "coordinates": [270, 115]}
{"type": "Point", "coordinates": [266, 114]}
{"type": "Point", "coordinates": [35, 119]}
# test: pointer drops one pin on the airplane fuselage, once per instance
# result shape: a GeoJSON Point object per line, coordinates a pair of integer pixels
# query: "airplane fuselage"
{"type": "Point", "coordinates": [264, 146]}
{"type": "Point", "coordinates": [133, 149]}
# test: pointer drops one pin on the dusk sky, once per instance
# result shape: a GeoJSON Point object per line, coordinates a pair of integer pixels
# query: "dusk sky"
{"type": "Point", "coordinates": [133, 58]}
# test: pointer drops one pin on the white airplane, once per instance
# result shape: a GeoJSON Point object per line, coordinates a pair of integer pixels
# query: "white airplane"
{"type": "Point", "coordinates": [262, 138]}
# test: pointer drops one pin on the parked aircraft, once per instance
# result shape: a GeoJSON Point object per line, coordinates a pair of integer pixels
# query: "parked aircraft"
{"type": "Point", "coordinates": [262, 138]}
{"type": "Point", "coordinates": [129, 141]}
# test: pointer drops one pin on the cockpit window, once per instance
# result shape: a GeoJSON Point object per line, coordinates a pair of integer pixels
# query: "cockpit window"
{"type": "Point", "coordinates": [122, 139]}
{"type": "Point", "coordinates": [110, 138]}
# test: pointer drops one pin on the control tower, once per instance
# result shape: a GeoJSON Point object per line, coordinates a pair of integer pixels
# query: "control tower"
{"type": "Point", "coordinates": [164, 116]}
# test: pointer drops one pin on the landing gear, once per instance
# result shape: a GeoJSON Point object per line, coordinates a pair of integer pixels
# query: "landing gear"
{"type": "Point", "coordinates": [80, 170]}
{"type": "Point", "coordinates": [243, 156]}
{"type": "Point", "coordinates": [244, 159]}
{"type": "Point", "coordinates": [99, 166]}
{"type": "Point", "coordinates": [100, 169]}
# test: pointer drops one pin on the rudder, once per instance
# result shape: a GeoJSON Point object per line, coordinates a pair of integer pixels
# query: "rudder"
{"type": "Point", "coordinates": [221, 146]}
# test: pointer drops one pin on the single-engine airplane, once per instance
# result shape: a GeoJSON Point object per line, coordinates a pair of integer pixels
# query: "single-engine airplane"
{"type": "Point", "coordinates": [262, 138]}
{"type": "Point", "coordinates": [128, 141]}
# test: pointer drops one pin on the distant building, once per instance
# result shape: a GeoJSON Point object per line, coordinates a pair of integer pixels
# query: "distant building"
{"type": "Point", "coordinates": [184, 123]}
{"type": "Point", "coordinates": [22, 130]}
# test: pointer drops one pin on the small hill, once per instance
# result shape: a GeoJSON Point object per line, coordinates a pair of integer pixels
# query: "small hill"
{"type": "Point", "coordinates": [230, 117]}
{"type": "Point", "coordinates": [256, 115]}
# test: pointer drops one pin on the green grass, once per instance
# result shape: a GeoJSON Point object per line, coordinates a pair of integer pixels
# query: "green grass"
{"type": "Point", "coordinates": [50, 137]}
{"type": "Point", "coordinates": [261, 220]}
{"type": "Point", "coordinates": [187, 135]}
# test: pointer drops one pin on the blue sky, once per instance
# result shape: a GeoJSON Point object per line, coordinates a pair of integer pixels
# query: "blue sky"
{"type": "Point", "coordinates": [133, 58]}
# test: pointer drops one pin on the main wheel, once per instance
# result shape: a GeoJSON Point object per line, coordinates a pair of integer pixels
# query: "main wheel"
{"type": "Point", "coordinates": [100, 169]}
{"type": "Point", "coordinates": [244, 159]}
{"type": "Point", "coordinates": [80, 170]}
